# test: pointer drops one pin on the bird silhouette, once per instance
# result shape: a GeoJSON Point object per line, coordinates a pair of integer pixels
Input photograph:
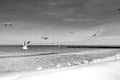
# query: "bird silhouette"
{"type": "Point", "coordinates": [45, 38]}
{"type": "Point", "coordinates": [25, 44]}
{"type": "Point", "coordinates": [95, 34]}
{"type": "Point", "coordinates": [7, 24]}
{"type": "Point", "coordinates": [72, 32]}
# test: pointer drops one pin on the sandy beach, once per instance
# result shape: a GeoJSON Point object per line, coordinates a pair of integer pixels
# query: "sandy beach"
{"type": "Point", "coordinates": [100, 71]}
{"type": "Point", "coordinates": [27, 63]}
{"type": "Point", "coordinates": [91, 64]}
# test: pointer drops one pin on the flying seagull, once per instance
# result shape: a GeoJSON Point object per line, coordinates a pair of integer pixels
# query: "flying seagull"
{"type": "Point", "coordinates": [7, 24]}
{"type": "Point", "coordinates": [45, 38]}
{"type": "Point", "coordinates": [25, 44]}
{"type": "Point", "coordinates": [95, 34]}
{"type": "Point", "coordinates": [72, 32]}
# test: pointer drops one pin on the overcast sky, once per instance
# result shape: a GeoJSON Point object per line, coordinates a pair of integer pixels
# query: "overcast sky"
{"type": "Point", "coordinates": [71, 21]}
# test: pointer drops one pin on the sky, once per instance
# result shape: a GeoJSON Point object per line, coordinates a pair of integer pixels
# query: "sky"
{"type": "Point", "coordinates": [62, 21]}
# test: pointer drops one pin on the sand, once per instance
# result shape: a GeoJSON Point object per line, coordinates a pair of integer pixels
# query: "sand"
{"type": "Point", "coordinates": [90, 67]}
{"type": "Point", "coordinates": [100, 71]}
{"type": "Point", "coordinates": [20, 64]}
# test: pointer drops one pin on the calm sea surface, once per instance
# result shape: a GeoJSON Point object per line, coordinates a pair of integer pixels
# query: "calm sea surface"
{"type": "Point", "coordinates": [37, 49]}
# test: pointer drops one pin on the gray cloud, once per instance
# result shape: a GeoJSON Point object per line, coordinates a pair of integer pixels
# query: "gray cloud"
{"type": "Point", "coordinates": [96, 8]}
{"type": "Point", "coordinates": [58, 16]}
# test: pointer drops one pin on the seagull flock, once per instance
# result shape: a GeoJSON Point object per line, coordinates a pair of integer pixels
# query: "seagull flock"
{"type": "Point", "coordinates": [7, 24]}
{"type": "Point", "coordinates": [43, 37]}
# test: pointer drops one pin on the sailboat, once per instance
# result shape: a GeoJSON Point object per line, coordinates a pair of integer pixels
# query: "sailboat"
{"type": "Point", "coordinates": [25, 44]}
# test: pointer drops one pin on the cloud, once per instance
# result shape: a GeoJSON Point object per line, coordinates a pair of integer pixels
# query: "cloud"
{"type": "Point", "coordinates": [99, 9]}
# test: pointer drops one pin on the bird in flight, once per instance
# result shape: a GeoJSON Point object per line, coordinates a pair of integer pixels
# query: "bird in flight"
{"type": "Point", "coordinates": [72, 32]}
{"type": "Point", "coordinates": [45, 38]}
{"type": "Point", "coordinates": [95, 34]}
{"type": "Point", "coordinates": [7, 24]}
{"type": "Point", "coordinates": [25, 44]}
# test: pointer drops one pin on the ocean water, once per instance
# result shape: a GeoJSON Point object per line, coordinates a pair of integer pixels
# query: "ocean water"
{"type": "Point", "coordinates": [6, 50]}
